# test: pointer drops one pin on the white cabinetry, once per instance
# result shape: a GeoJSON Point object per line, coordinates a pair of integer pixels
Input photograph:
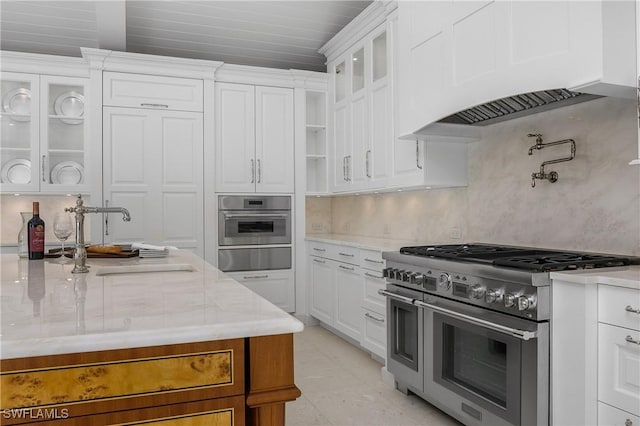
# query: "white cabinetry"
{"type": "Point", "coordinates": [44, 134]}
{"type": "Point", "coordinates": [595, 352]}
{"type": "Point", "coordinates": [254, 139]}
{"type": "Point", "coordinates": [316, 142]}
{"type": "Point", "coordinates": [344, 282]}
{"type": "Point", "coordinates": [153, 162]}
{"type": "Point", "coordinates": [275, 286]}
{"type": "Point", "coordinates": [455, 55]}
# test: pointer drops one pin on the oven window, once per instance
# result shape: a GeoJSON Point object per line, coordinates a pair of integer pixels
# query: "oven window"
{"type": "Point", "coordinates": [405, 340]}
{"type": "Point", "coordinates": [476, 362]}
{"type": "Point", "coordinates": [255, 227]}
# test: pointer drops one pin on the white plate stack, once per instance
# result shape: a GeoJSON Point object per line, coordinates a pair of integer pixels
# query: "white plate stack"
{"type": "Point", "coordinates": [148, 250]}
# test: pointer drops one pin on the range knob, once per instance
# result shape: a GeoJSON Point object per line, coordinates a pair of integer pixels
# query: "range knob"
{"type": "Point", "coordinates": [444, 281]}
{"type": "Point", "coordinates": [417, 278]}
{"type": "Point", "coordinates": [526, 302]}
{"type": "Point", "coordinates": [492, 296]}
{"type": "Point", "coordinates": [509, 300]}
{"type": "Point", "coordinates": [405, 276]}
{"type": "Point", "coordinates": [387, 272]}
{"type": "Point", "coordinates": [476, 291]}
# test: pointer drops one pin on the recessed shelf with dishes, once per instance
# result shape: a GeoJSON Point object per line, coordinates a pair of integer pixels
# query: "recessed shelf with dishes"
{"type": "Point", "coordinates": [17, 103]}
{"type": "Point", "coordinates": [67, 173]}
{"type": "Point", "coordinates": [16, 171]}
{"type": "Point", "coordinates": [69, 107]}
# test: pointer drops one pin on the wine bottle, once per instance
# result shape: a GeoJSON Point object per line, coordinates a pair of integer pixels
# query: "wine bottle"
{"type": "Point", "coordinates": [35, 229]}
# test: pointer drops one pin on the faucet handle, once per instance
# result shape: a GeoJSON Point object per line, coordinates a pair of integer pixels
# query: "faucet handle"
{"type": "Point", "coordinates": [534, 135]}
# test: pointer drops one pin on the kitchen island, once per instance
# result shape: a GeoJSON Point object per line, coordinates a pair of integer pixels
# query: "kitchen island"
{"type": "Point", "coordinates": [159, 341]}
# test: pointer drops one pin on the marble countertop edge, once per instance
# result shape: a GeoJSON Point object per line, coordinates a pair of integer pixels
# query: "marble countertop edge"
{"type": "Point", "coordinates": [625, 276]}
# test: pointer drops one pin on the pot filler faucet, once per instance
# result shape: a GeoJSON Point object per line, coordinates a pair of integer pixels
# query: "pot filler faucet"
{"type": "Point", "coordinates": [80, 253]}
{"type": "Point", "coordinates": [551, 176]}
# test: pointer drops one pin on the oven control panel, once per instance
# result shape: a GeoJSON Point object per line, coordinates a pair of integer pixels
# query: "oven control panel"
{"type": "Point", "coordinates": [500, 296]}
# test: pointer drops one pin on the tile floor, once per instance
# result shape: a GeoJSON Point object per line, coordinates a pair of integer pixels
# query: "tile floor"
{"type": "Point", "coordinates": [341, 385]}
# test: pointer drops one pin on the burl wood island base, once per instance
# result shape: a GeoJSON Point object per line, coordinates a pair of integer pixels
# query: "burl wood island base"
{"type": "Point", "coordinates": [221, 381]}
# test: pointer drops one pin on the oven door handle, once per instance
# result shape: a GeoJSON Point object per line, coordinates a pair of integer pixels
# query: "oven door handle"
{"type": "Point", "coordinates": [395, 296]}
{"type": "Point", "coordinates": [520, 334]}
{"type": "Point", "coordinates": [249, 216]}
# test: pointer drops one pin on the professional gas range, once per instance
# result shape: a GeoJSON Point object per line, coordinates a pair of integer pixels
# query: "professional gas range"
{"type": "Point", "coordinates": [469, 327]}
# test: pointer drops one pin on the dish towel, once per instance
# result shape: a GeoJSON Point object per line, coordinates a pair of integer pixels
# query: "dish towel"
{"type": "Point", "coordinates": [149, 250]}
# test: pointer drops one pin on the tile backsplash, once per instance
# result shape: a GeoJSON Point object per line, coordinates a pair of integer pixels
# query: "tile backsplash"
{"type": "Point", "coordinates": [594, 205]}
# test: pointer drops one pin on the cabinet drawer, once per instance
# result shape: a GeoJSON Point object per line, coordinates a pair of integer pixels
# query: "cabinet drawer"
{"type": "Point", "coordinates": [611, 416]}
{"type": "Point", "coordinates": [371, 259]}
{"type": "Point", "coordinates": [373, 282]}
{"type": "Point", "coordinates": [374, 334]}
{"type": "Point", "coordinates": [619, 306]}
{"type": "Point", "coordinates": [152, 91]}
{"type": "Point", "coordinates": [345, 254]}
{"type": "Point", "coordinates": [318, 249]}
{"type": "Point", "coordinates": [618, 367]}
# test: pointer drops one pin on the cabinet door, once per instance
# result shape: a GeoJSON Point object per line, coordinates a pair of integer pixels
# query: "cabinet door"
{"type": "Point", "coordinates": [380, 161]}
{"type": "Point", "coordinates": [19, 155]}
{"type": "Point", "coordinates": [348, 299]}
{"type": "Point", "coordinates": [341, 146]}
{"type": "Point", "coordinates": [64, 149]}
{"type": "Point", "coordinates": [373, 281]}
{"type": "Point", "coordinates": [274, 139]}
{"type": "Point", "coordinates": [275, 286]}
{"type": "Point", "coordinates": [374, 332]}
{"type": "Point", "coordinates": [358, 166]}
{"type": "Point", "coordinates": [235, 138]}
{"type": "Point", "coordinates": [322, 280]}
{"type": "Point", "coordinates": [153, 167]}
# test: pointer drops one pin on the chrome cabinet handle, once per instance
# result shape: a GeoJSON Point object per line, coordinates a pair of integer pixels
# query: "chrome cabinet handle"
{"type": "Point", "coordinates": [346, 254]}
{"type": "Point", "coordinates": [367, 163]}
{"type": "Point", "coordinates": [373, 260]}
{"type": "Point", "coordinates": [259, 172]}
{"type": "Point", "coordinates": [631, 309]}
{"type": "Point", "coordinates": [348, 168]}
{"type": "Point", "coordinates": [372, 276]}
{"type": "Point", "coordinates": [319, 261]}
{"type": "Point", "coordinates": [106, 219]}
{"type": "Point", "coordinates": [366, 314]}
{"type": "Point", "coordinates": [520, 334]}
{"type": "Point", "coordinates": [155, 105]}
{"type": "Point", "coordinates": [344, 168]}
{"type": "Point", "coordinates": [632, 340]}
{"type": "Point", "coordinates": [319, 249]}
{"type": "Point", "coordinates": [255, 277]}
{"type": "Point", "coordinates": [253, 171]}
{"type": "Point", "coordinates": [418, 155]}
{"type": "Point", "coordinates": [44, 174]}
{"type": "Point", "coordinates": [345, 267]}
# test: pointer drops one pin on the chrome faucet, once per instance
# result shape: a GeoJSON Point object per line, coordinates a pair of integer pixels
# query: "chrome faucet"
{"type": "Point", "coordinates": [80, 253]}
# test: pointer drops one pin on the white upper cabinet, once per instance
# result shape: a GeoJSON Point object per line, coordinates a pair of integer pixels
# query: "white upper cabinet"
{"type": "Point", "coordinates": [254, 138]}
{"type": "Point", "coordinates": [152, 91]}
{"type": "Point", "coordinates": [44, 134]}
{"type": "Point", "coordinates": [456, 55]}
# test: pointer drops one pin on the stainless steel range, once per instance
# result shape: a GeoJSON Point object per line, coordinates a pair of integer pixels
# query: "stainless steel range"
{"type": "Point", "coordinates": [469, 327]}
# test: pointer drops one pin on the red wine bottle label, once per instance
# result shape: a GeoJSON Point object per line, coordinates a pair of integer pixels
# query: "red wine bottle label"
{"type": "Point", "coordinates": [36, 239]}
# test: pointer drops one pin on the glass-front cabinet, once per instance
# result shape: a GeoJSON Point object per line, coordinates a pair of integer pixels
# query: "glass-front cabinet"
{"type": "Point", "coordinates": [44, 134]}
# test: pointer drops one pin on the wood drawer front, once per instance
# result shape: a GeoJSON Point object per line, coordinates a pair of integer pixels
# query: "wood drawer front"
{"type": "Point", "coordinates": [611, 416]}
{"type": "Point", "coordinates": [152, 91]}
{"type": "Point", "coordinates": [373, 282]}
{"type": "Point", "coordinates": [616, 306]}
{"type": "Point", "coordinates": [372, 259]}
{"type": "Point", "coordinates": [618, 367]}
{"type": "Point", "coordinates": [374, 334]}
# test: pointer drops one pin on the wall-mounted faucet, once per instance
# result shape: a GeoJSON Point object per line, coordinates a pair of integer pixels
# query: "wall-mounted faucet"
{"type": "Point", "coordinates": [551, 176]}
{"type": "Point", "coordinates": [80, 253]}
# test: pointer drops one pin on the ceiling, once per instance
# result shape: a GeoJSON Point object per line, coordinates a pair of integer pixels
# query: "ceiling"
{"type": "Point", "coordinates": [275, 34]}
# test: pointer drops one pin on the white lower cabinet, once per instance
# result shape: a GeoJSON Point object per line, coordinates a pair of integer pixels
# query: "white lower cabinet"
{"type": "Point", "coordinates": [275, 286]}
{"type": "Point", "coordinates": [611, 416]}
{"type": "Point", "coordinates": [344, 283]}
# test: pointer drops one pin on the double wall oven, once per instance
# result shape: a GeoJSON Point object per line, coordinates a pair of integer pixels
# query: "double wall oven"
{"type": "Point", "coordinates": [470, 336]}
{"type": "Point", "coordinates": [254, 232]}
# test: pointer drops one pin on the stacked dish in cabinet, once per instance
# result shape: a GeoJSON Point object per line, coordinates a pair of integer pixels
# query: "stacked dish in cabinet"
{"type": "Point", "coordinates": [316, 136]}
{"type": "Point", "coordinates": [44, 131]}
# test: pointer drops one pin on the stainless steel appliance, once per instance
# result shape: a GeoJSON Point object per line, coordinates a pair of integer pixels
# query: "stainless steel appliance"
{"type": "Point", "coordinates": [469, 327]}
{"type": "Point", "coordinates": [254, 232]}
{"type": "Point", "coordinates": [253, 220]}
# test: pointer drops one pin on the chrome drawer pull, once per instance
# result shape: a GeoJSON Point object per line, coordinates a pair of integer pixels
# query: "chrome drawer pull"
{"type": "Point", "coordinates": [372, 276]}
{"type": "Point", "coordinates": [632, 340]}
{"type": "Point", "coordinates": [319, 249]}
{"type": "Point", "coordinates": [631, 309]}
{"type": "Point", "coordinates": [256, 277]}
{"type": "Point", "coordinates": [346, 254]}
{"type": "Point", "coordinates": [345, 267]}
{"type": "Point", "coordinates": [366, 314]}
{"type": "Point", "coordinates": [373, 260]}
{"type": "Point", "coordinates": [155, 105]}
{"type": "Point", "coordinates": [319, 261]}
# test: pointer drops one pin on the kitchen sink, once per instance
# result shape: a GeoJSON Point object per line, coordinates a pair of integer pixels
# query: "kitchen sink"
{"type": "Point", "coordinates": [138, 269]}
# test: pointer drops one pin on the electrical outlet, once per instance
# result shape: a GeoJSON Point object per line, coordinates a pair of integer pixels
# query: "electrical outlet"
{"type": "Point", "coordinates": [385, 230]}
{"type": "Point", "coordinates": [455, 233]}
{"type": "Point", "coordinates": [316, 227]}
{"type": "Point", "coordinates": [346, 227]}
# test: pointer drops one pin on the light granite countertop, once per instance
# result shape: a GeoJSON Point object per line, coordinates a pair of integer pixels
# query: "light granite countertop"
{"type": "Point", "coordinates": [48, 310]}
{"type": "Point", "coordinates": [624, 276]}
{"type": "Point", "coordinates": [368, 243]}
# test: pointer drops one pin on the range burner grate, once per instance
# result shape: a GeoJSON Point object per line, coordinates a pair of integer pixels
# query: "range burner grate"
{"type": "Point", "coordinates": [561, 262]}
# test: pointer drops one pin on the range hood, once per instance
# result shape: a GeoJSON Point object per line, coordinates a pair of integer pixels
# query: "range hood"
{"type": "Point", "coordinates": [464, 124]}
